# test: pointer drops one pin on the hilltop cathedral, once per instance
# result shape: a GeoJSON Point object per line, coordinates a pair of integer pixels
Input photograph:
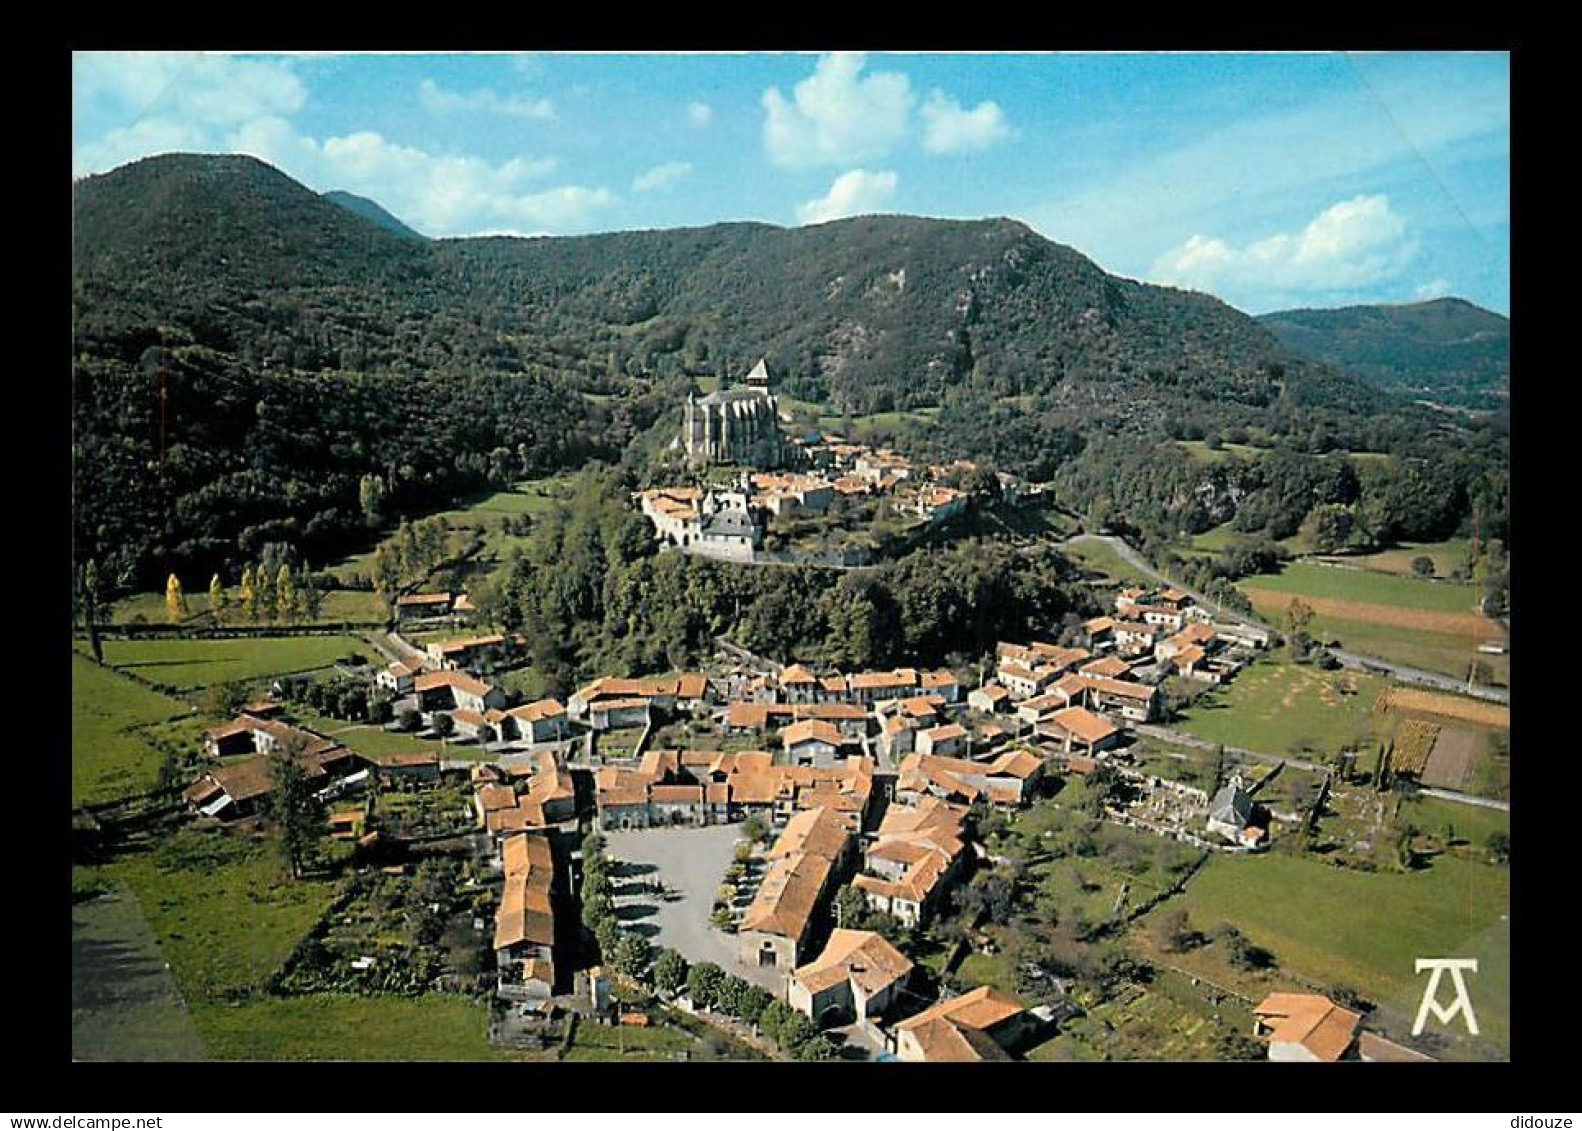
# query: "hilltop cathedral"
{"type": "Point", "coordinates": [735, 425]}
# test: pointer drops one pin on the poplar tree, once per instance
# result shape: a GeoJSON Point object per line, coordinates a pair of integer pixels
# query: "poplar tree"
{"type": "Point", "coordinates": [216, 601]}
{"type": "Point", "coordinates": [175, 600]}
{"type": "Point", "coordinates": [285, 593]}
{"type": "Point", "coordinates": [249, 595]}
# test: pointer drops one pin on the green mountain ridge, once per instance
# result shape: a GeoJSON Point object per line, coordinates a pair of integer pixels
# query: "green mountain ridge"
{"type": "Point", "coordinates": [303, 346]}
{"type": "Point", "coordinates": [373, 210]}
{"type": "Point", "coordinates": [1446, 350]}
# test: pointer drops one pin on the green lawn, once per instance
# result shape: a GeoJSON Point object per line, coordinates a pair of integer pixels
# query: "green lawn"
{"type": "Point", "coordinates": [1309, 579]}
{"type": "Point", "coordinates": [189, 664]}
{"type": "Point", "coordinates": [1446, 556]}
{"type": "Point", "coordinates": [348, 1027]}
{"type": "Point", "coordinates": [532, 497]}
{"type": "Point", "coordinates": [627, 1042]}
{"type": "Point", "coordinates": [1201, 453]}
{"type": "Point", "coordinates": [108, 759]}
{"type": "Point", "coordinates": [1367, 930]}
{"type": "Point", "coordinates": [1274, 703]}
{"type": "Point", "coordinates": [220, 905]}
{"type": "Point", "coordinates": [365, 739]}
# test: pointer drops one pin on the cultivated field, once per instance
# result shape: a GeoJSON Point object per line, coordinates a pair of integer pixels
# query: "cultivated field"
{"type": "Point", "coordinates": [1429, 624]}
{"type": "Point", "coordinates": [1478, 712]}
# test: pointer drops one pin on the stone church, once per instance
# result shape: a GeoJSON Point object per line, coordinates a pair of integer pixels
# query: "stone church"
{"type": "Point", "coordinates": [740, 425]}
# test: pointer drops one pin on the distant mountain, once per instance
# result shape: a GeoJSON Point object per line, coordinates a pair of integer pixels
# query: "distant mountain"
{"type": "Point", "coordinates": [1447, 351]}
{"type": "Point", "coordinates": [372, 210]}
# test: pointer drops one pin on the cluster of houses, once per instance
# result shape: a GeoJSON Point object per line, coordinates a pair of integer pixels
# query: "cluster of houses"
{"type": "Point", "coordinates": [861, 978]}
{"type": "Point", "coordinates": [865, 778]}
{"type": "Point", "coordinates": [241, 781]}
{"type": "Point", "coordinates": [799, 476]}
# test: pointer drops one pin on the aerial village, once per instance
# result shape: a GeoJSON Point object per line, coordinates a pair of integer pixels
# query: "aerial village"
{"type": "Point", "coordinates": [819, 778]}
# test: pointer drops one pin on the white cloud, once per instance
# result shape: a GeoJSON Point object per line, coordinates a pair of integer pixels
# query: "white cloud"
{"type": "Point", "coordinates": [661, 175]}
{"type": "Point", "coordinates": [1352, 244]}
{"type": "Point", "coordinates": [947, 128]}
{"type": "Point", "coordinates": [1434, 288]}
{"type": "Point", "coordinates": [700, 114]}
{"type": "Point", "coordinates": [837, 115]}
{"type": "Point", "coordinates": [437, 195]}
{"type": "Point", "coordinates": [484, 100]}
{"type": "Point", "coordinates": [198, 89]}
{"type": "Point", "coordinates": [1254, 167]}
{"type": "Point", "coordinates": [853, 193]}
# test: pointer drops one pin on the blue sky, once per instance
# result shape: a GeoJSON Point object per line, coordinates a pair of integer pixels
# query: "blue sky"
{"type": "Point", "coordinates": [1269, 180]}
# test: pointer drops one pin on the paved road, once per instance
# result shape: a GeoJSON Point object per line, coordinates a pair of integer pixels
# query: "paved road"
{"type": "Point", "coordinates": [1165, 734]}
{"type": "Point", "coordinates": [1401, 672]}
{"type": "Point", "coordinates": [692, 861]}
{"type": "Point", "coordinates": [1469, 799]}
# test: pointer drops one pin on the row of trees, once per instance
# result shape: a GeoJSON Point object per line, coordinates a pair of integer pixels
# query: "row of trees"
{"type": "Point", "coordinates": [283, 598]}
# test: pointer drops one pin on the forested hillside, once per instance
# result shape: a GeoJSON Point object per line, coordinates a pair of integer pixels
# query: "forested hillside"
{"type": "Point", "coordinates": [1447, 350]}
{"type": "Point", "coordinates": [322, 373]}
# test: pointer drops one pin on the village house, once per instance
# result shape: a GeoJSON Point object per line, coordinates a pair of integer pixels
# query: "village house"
{"type": "Point", "coordinates": [1133, 638]}
{"type": "Point", "coordinates": [989, 698]}
{"type": "Point", "coordinates": [471, 653]}
{"type": "Point", "coordinates": [946, 741]}
{"type": "Point", "coordinates": [1305, 1027]}
{"type": "Point", "coordinates": [1099, 630]}
{"type": "Point", "coordinates": [941, 682]}
{"type": "Point", "coordinates": [240, 789]}
{"type": "Point", "coordinates": [534, 723]}
{"type": "Point", "coordinates": [979, 1025]}
{"type": "Point", "coordinates": [805, 864]}
{"type": "Point", "coordinates": [451, 690]}
{"type": "Point", "coordinates": [397, 678]}
{"type": "Point", "coordinates": [688, 691]}
{"type": "Point", "coordinates": [1230, 813]}
{"type": "Point", "coordinates": [718, 524]}
{"type": "Point", "coordinates": [857, 977]}
{"type": "Point", "coordinates": [1077, 729]}
{"type": "Point", "coordinates": [799, 685]}
{"type": "Point", "coordinates": [408, 767]}
{"type": "Point", "coordinates": [917, 853]}
{"type": "Point", "coordinates": [897, 737]}
{"type": "Point", "coordinates": [524, 925]}
{"type": "Point", "coordinates": [1135, 701]}
{"type": "Point", "coordinates": [1110, 667]}
{"type": "Point", "coordinates": [811, 742]}
{"type": "Point", "coordinates": [1008, 780]}
{"type": "Point", "coordinates": [412, 607]}
{"type": "Point", "coordinates": [792, 496]}
{"type": "Point", "coordinates": [873, 687]}
{"type": "Point", "coordinates": [540, 795]}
